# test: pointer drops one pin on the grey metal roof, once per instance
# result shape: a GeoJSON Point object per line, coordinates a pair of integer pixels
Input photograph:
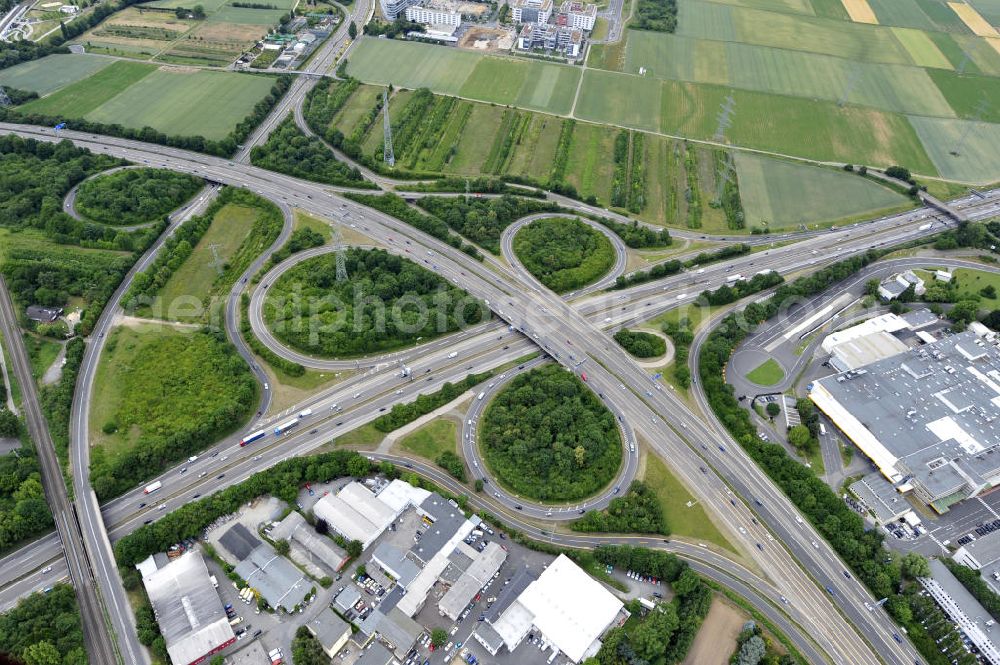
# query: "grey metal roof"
{"type": "Point", "coordinates": [398, 563]}
{"type": "Point", "coordinates": [919, 318]}
{"type": "Point", "coordinates": [896, 399]}
{"type": "Point", "coordinates": [986, 549]}
{"type": "Point", "coordinates": [274, 577]}
{"type": "Point", "coordinates": [482, 569]}
{"type": "Point", "coordinates": [321, 548]}
{"type": "Point", "coordinates": [489, 635]}
{"type": "Point", "coordinates": [448, 518]}
{"type": "Point", "coordinates": [509, 593]}
{"type": "Point", "coordinates": [328, 628]}
{"type": "Point", "coordinates": [376, 654]}
{"type": "Point", "coordinates": [962, 608]}
{"type": "Point", "coordinates": [239, 541]}
{"type": "Point", "coordinates": [188, 608]}
{"type": "Point", "coordinates": [348, 598]}
{"type": "Point", "coordinates": [881, 497]}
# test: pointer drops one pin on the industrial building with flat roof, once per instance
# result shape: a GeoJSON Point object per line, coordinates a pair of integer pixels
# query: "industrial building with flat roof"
{"type": "Point", "coordinates": [271, 575]}
{"type": "Point", "coordinates": [330, 631]}
{"type": "Point", "coordinates": [927, 418]}
{"type": "Point", "coordinates": [187, 608]}
{"type": "Point", "coordinates": [883, 501]}
{"type": "Point", "coordinates": [979, 553]}
{"type": "Point", "coordinates": [569, 608]}
{"type": "Point", "coordinates": [480, 571]}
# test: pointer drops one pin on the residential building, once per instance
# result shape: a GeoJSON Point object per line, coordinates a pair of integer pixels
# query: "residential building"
{"type": "Point", "coordinates": [187, 607]}
{"type": "Point", "coordinates": [393, 9]}
{"type": "Point", "coordinates": [567, 41]}
{"type": "Point", "coordinates": [531, 11]}
{"type": "Point", "coordinates": [574, 14]}
{"type": "Point", "coordinates": [927, 418]}
{"type": "Point", "coordinates": [428, 16]}
{"type": "Point", "coordinates": [43, 314]}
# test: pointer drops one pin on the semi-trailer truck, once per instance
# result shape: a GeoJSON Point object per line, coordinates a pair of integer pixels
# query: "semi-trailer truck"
{"type": "Point", "coordinates": [152, 487]}
{"type": "Point", "coordinates": [285, 426]}
{"type": "Point", "coordinates": [259, 434]}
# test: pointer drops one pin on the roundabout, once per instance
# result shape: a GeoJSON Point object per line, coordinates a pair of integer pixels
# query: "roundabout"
{"type": "Point", "coordinates": [565, 510]}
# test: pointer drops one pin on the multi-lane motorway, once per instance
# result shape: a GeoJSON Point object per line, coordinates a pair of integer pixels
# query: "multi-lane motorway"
{"type": "Point", "coordinates": [787, 550]}
{"type": "Point", "coordinates": [688, 446]}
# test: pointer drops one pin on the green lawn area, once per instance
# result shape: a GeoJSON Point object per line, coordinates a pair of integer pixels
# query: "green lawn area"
{"type": "Point", "coordinates": [971, 281]}
{"type": "Point", "coordinates": [690, 522]}
{"type": "Point", "coordinates": [156, 381]}
{"type": "Point", "coordinates": [193, 281]}
{"type": "Point", "coordinates": [783, 193]}
{"type": "Point", "coordinates": [42, 353]}
{"type": "Point", "coordinates": [356, 107]}
{"type": "Point", "coordinates": [82, 97]}
{"type": "Point", "coordinates": [432, 439]}
{"type": "Point", "coordinates": [186, 103]}
{"type": "Point", "coordinates": [767, 373]}
{"type": "Point", "coordinates": [48, 74]}
{"type": "Point", "coordinates": [365, 437]}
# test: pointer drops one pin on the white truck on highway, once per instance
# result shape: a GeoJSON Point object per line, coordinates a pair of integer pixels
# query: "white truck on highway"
{"type": "Point", "coordinates": [152, 487]}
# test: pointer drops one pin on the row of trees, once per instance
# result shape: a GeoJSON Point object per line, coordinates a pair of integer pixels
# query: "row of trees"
{"type": "Point", "coordinates": [638, 511]}
{"type": "Point", "coordinates": [666, 633]}
{"type": "Point", "coordinates": [134, 196]}
{"type": "Point", "coordinates": [674, 266]}
{"type": "Point", "coordinates": [564, 254]}
{"type": "Point", "coordinates": [730, 293]}
{"type": "Point", "coordinates": [641, 344]}
{"type": "Point", "coordinates": [634, 235]}
{"type": "Point", "coordinates": [57, 398]}
{"type": "Point", "coordinates": [548, 437]}
{"type": "Point", "coordinates": [392, 204]}
{"type": "Point", "coordinates": [402, 414]}
{"type": "Point", "coordinates": [386, 303]}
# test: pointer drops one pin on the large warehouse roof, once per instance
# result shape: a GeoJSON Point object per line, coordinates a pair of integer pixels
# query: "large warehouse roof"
{"type": "Point", "coordinates": [930, 413]}
{"type": "Point", "coordinates": [320, 549]}
{"type": "Point", "coordinates": [482, 568]}
{"type": "Point", "coordinates": [274, 577]}
{"type": "Point", "coordinates": [570, 608]}
{"type": "Point", "coordinates": [188, 609]}
{"type": "Point", "coordinates": [355, 513]}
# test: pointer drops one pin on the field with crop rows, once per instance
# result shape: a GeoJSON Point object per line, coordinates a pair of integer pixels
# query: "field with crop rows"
{"type": "Point", "coordinates": [173, 100]}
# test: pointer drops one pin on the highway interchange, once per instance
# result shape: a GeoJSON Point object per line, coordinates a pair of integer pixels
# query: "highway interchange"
{"type": "Point", "coordinates": [793, 563]}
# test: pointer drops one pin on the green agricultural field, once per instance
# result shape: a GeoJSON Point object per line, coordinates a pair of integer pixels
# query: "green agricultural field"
{"type": "Point", "coordinates": [796, 73]}
{"type": "Point", "coordinates": [356, 107]}
{"type": "Point", "coordinates": [904, 14]}
{"type": "Point", "coordinates": [784, 194]}
{"type": "Point", "coordinates": [186, 103]}
{"type": "Point", "coordinates": [52, 72]}
{"type": "Point", "coordinates": [181, 298]}
{"type": "Point", "coordinates": [922, 49]}
{"type": "Point", "coordinates": [590, 167]}
{"type": "Point", "coordinates": [983, 56]}
{"type": "Point", "coordinates": [247, 16]}
{"type": "Point", "coordinates": [961, 149]}
{"type": "Point", "coordinates": [412, 65]}
{"type": "Point", "coordinates": [990, 9]}
{"type": "Point", "coordinates": [82, 97]}
{"type": "Point", "coordinates": [601, 98]}
{"type": "Point", "coordinates": [531, 84]}
{"type": "Point", "coordinates": [209, 5]}
{"type": "Point", "coordinates": [477, 139]}
{"type": "Point", "coordinates": [533, 156]}
{"type": "Point", "coordinates": [971, 96]}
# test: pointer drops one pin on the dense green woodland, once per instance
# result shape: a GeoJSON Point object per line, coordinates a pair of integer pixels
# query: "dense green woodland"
{"type": "Point", "coordinates": [656, 15]}
{"type": "Point", "coordinates": [638, 511]}
{"type": "Point", "coordinates": [134, 196]}
{"type": "Point", "coordinates": [44, 629]}
{"type": "Point", "coordinates": [289, 151]}
{"type": "Point", "coordinates": [482, 220]}
{"type": "Point", "coordinates": [23, 510]}
{"type": "Point", "coordinates": [181, 392]}
{"type": "Point", "coordinates": [564, 254]}
{"type": "Point", "coordinates": [42, 259]}
{"type": "Point", "coordinates": [386, 303]}
{"type": "Point", "coordinates": [547, 436]}
{"type": "Point", "coordinates": [641, 344]}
